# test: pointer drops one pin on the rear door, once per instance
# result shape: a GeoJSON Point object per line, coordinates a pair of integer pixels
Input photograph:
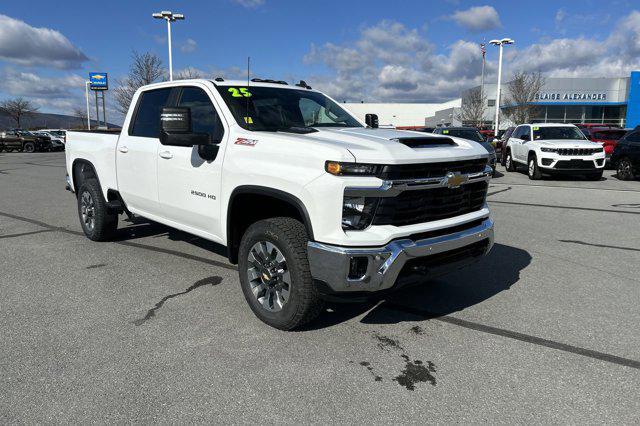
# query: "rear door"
{"type": "Point", "coordinates": [137, 152]}
{"type": "Point", "coordinates": [189, 186]}
{"type": "Point", "coordinates": [633, 148]}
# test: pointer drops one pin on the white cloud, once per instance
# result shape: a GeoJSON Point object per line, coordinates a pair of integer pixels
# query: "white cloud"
{"type": "Point", "coordinates": [29, 84]}
{"type": "Point", "coordinates": [250, 4]}
{"type": "Point", "coordinates": [478, 18]}
{"type": "Point", "coordinates": [26, 45]}
{"type": "Point", "coordinates": [189, 46]}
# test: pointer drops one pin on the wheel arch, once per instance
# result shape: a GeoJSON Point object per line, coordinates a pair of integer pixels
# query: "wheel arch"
{"type": "Point", "coordinates": [274, 202]}
{"type": "Point", "coordinates": [81, 170]}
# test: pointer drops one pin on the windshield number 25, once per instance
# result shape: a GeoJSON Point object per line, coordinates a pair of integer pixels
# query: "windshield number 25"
{"type": "Point", "coordinates": [239, 93]}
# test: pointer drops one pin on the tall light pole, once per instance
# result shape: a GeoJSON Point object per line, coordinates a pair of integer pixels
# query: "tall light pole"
{"type": "Point", "coordinates": [500, 44]}
{"type": "Point", "coordinates": [170, 17]}
{"type": "Point", "coordinates": [86, 94]}
{"type": "Point", "coordinates": [484, 55]}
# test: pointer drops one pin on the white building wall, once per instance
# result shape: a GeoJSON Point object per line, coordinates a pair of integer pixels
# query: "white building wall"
{"type": "Point", "coordinates": [399, 114]}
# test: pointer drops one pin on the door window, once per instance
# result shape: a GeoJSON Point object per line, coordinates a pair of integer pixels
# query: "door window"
{"type": "Point", "coordinates": [146, 123]}
{"type": "Point", "coordinates": [204, 118]}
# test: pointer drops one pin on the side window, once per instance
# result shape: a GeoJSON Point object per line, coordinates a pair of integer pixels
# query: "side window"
{"type": "Point", "coordinates": [516, 133]}
{"type": "Point", "coordinates": [204, 118]}
{"type": "Point", "coordinates": [525, 133]}
{"type": "Point", "coordinates": [633, 137]}
{"type": "Point", "coordinates": [147, 119]}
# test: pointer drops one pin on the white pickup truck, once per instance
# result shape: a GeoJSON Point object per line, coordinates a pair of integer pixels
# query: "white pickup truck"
{"type": "Point", "coordinates": [309, 202]}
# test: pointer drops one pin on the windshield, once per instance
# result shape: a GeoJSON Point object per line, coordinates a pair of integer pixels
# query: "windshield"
{"type": "Point", "coordinates": [557, 132]}
{"type": "Point", "coordinates": [470, 134]}
{"type": "Point", "coordinates": [270, 109]}
{"type": "Point", "coordinates": [613, 135]}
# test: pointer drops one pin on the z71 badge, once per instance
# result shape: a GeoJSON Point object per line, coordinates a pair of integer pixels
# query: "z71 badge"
{"type": "Point", "coordinates": [247, 142]}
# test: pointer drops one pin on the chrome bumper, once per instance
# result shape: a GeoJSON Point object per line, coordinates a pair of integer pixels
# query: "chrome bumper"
{"type": "Point", "coordinates": [331, 264]}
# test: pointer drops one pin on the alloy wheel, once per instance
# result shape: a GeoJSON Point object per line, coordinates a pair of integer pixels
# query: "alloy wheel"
{"type": "Point", "coordinates": [87, 210]}
{"type": "Point", "coordinates": [268, 276]}
{"type": "Point", "coordinates": [624, 170]}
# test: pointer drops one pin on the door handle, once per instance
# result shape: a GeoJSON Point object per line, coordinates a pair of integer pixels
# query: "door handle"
{"type": "Point", "coordinates": [166, 154]}
{"type": "Point", "coordinates": [123, 149]}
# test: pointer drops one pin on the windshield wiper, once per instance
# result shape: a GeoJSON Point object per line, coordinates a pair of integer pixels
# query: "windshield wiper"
{"type": "Point", "coordinates": [296, 129]}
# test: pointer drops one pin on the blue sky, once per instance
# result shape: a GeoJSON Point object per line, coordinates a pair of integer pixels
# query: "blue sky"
{"type": "Point", "coordinates": [414, 51]}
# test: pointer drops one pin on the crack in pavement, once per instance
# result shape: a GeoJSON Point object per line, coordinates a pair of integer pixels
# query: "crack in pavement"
{"type": "Point", "coordinates": [22, 234]}
{"type": "Point", "coordinates": [582, 243]}
{"type": "Point", "coordinates": [152, 312]}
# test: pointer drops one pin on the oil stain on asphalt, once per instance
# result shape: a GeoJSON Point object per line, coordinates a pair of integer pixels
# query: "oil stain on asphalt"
{"type": "Point", "coordinates": [200, 283]}
{"type": "Point", "coordinates": [413, 372]}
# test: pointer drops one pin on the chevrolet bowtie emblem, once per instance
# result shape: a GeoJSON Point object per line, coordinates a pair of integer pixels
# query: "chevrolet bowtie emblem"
{"type": "Point", "coordinates": [454, 180]}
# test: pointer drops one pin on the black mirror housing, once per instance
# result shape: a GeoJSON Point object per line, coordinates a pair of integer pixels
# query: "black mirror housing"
{"type": "Point", "coordinates": [371, 120]}
{"type": "Point", "coordinates": [176, 129]}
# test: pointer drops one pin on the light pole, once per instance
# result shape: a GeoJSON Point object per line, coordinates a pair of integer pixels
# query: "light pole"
{"type": "Point", "coordinates": [500, 44]}
{"type": "Point", "coordinates": [170, 17]}
{"type": "Point", "coordinates": [86, 94]}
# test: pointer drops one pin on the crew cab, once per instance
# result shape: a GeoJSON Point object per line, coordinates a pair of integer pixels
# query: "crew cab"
{"type": "Point", "coordinates": [548, 148]}
{"type": "Point", "coordinates": [309, 202]}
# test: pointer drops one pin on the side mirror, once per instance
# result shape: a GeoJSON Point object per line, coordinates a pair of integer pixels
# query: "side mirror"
{"type": "Point", "coordinates": [175, 128]}
{"type": "Point", "coordinates": [526, 137]}
{"type": "Point", "coordinates": [371, 120]}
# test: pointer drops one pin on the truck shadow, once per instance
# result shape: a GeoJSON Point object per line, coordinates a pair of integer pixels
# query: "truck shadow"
{"type": "Point", "coordinates": [135, 228]}
{"type": "Point", "coordinates": [438, 297]}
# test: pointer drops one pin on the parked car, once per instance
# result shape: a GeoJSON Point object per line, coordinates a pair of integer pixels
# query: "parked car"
{"type": "Point", "coordinates": [57, 143]}
{"type": "Point", "coordinates": [548, 148]}
{"type": "Point", "coordinates": [23, 140]}
{"type": "Point", "coordinates": [58, 133]}
{"type": "Point", "coordinates": [606, 136]}
{"type": "Point", "coordinates": [501, 143]}
{"type": "Point", "coordinates": [626, 155]}
{"type": "Point", "coordinates": [472, 134]}
{"type": "Point", "coordinates": [308, 201]}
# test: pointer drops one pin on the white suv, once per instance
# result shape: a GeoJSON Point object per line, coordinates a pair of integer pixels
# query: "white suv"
{"type": "Point", "coordinates": [548, 148]}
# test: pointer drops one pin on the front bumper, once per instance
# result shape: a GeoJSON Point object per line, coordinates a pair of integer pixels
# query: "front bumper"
{"type": "Point", "coordinates": [332, 265]}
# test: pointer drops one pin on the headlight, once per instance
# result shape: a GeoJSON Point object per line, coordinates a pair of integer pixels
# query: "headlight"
{"type": "Point", "coordinates": [352, 169]}
{"type": "Point", "coordinates": [543, 149]}
{"type": "Point", "coordinates": [357, 212]}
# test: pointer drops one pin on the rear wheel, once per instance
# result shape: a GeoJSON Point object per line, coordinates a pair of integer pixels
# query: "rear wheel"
{"type": "Point", "coordinates": [29, 147]}
{"type": "Point", "coordinates": [532, 170]}
{"type": "Point", "coordinates": [97, 223]}
{"type": "Point", "coordinates": [508, 163]}
{"type": "Point", "coordinates": [275, 275]}
{"type": "Point", "coordinates": [624, 168]}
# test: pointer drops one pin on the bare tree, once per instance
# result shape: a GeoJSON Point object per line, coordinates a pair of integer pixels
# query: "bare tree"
{"type": "Point", "coordinates": [474, 104]}
{"type": "Point", "coordinates": [81, 114]}
{"type": "Point", "coordinates": [146, 68]}
{"type": "Point", "coordinates": [521, 93]}
{"type": "Point", "coordinates": [188, 73]}
{"type": "Point", "coordinates": [17, 109]}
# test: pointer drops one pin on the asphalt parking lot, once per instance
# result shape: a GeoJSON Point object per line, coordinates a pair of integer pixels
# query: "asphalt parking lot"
{"type": "Point", "coordinates": [154, 327]}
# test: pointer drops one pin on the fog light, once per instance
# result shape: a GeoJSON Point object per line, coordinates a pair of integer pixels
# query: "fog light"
{"type": "Point", "coordinates": [547, 161]}
{"type": "Point", "coordinates": [358, 267]}
{"type": "Point", "coordinates": [357, 212]}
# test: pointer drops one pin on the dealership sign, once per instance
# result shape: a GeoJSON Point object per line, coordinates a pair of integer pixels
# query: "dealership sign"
{"type": "Point", "coordinates": [568, 96]}
{"type": "Point", "coordinates": [98, 81]}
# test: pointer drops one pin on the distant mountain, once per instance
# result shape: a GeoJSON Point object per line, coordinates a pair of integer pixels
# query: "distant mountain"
{"type": "Point", "coordinates": [45, 120]}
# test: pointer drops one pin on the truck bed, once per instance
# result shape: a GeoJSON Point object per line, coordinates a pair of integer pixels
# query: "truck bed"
{"type": "Point", "coordinates": [97, 147]}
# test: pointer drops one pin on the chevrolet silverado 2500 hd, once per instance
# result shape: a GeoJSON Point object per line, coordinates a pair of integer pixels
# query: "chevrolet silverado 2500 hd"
{"type": "Point", "coordinates": [308, 201]}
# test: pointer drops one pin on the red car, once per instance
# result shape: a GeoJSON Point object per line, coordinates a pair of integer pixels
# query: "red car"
{"type": "Point", "coordinates": [607, 136]}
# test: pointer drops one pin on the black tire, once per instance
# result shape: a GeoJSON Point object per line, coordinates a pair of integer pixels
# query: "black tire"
{"type": "Point", "coordinates": [102, 225]}
{"type": "Point", "coordinates": [289, 236]}
{"type": "Point", "coordinates": [595, 176]}
{"type": "Point", "coordinates": [624, 169]}
{"type": "Point", "coordinates": [533, 171]}
{"type": "Point", "coordinates": [509, 164]}
{"type": "Point", "coordinates": [29, 147]}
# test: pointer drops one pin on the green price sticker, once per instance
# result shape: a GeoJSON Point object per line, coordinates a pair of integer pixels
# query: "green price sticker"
{"type": "Point", "coordinates": [445, 132]}
{"type": "Point", "coordinates": [239, 93]}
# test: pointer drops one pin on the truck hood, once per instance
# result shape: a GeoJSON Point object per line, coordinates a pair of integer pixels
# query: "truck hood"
{"type": "Point", "coordinates": [383, 146]}
{"type": "Point", "coordinates": [569, 143]}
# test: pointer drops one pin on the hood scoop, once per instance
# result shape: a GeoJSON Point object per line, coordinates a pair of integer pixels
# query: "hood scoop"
{"type": "Point", "coordinates": [426, 142]}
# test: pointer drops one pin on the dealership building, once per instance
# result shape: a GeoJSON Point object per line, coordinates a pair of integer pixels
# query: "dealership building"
{"type": "Point", "coordinates": [565, 100]}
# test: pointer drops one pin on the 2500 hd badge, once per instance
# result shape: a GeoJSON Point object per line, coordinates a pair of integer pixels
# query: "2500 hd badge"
{"type": "Point", "coordinates": [202, 194]}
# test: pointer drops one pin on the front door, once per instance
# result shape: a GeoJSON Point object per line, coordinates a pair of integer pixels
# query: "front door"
{"type": "Point", "coordinates": [189, 186]}
{"type": "Point", "coordinates": [137, 153]}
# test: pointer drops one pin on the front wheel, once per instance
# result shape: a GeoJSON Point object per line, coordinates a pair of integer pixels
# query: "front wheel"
{"type": "Point", "coordinates": [275, 275]}
{"type": "Point", "coordinates": [533, 170]}
{"type": "Point", "coordinates": [624, 169]}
